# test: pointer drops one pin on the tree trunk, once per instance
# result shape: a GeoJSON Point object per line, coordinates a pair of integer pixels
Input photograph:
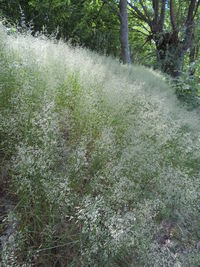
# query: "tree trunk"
{"type": "Point", "coordinates": [170, 48]}
{"type": "Point", "coordinates": [125, 52]}
{"type": "Point", "coordinates": [170, 55]}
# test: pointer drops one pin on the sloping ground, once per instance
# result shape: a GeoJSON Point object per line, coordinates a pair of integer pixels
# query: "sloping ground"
{"type": "Point", "coordinates": [103, 160]}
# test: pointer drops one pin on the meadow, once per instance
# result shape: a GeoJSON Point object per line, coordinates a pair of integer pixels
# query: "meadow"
{"type": "Point", "coordinates": [102, 160]}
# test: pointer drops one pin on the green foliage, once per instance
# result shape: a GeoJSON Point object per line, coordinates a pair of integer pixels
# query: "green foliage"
{"type": "Point", "coordinates": [187, 87]}
{"type": "Point", "coordinates": [87, 23]}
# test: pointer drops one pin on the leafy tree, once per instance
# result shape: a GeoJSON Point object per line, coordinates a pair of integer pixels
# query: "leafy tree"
{"type": "Point", "coordinates": [89, 23]}
{"type": "Point", "coordinates": [171, 30]}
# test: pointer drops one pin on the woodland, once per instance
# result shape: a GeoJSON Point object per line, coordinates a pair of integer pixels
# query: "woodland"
{"type": "Point", "coordinates": [100, 133]}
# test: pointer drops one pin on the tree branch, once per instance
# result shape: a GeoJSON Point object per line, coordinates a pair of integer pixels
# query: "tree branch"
{"type": "Point", "coordinates": [113, 7]}
{"type": "Point", "coordinates": [189, 33]}
{"type": "Point", "coordinates": [162, 15]}
{"type": "Point", "coordinates": [139, 14]}
{"type": "Point", "coordinates": [190, 12]}
{"type": "Point", "coordinates": [172, 17]}
{"type": "Point", "coordinates": [96, 17]}
{"type": "Point", "coordinates": [156, 8]}
{"type": "Point", "coordinates": [145, 10]}
{"type": "Point", "coordinates": [136, 30]}
{"type": "Point", "coordinates": [195, 12]}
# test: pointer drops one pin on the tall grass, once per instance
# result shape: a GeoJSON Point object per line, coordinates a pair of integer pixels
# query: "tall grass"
{"type": "Point", "coordinates": [103, 161]}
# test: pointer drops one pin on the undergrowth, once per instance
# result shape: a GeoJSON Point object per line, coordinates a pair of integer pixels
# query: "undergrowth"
{"type": "Point", "coordinates": [103, 161]}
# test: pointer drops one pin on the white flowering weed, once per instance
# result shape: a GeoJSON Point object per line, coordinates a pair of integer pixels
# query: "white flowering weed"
{"type": "Point", "coordinates": [100, 155]}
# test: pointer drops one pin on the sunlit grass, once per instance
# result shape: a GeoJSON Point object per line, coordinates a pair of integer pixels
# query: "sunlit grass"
{"type": "Point", "coordinates": [100, 155]}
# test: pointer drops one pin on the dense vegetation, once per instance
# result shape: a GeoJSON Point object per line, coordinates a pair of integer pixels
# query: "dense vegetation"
{"type": "Point", "coordinates": [99, 160]}
{"type": "Point", "coordinates": [103, 161]}
{"type": "Point", "coordinates": [163, 34]}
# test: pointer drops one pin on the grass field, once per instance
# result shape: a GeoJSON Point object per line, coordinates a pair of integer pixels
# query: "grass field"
{"type": "Point", "coordinates": [102, 161]}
